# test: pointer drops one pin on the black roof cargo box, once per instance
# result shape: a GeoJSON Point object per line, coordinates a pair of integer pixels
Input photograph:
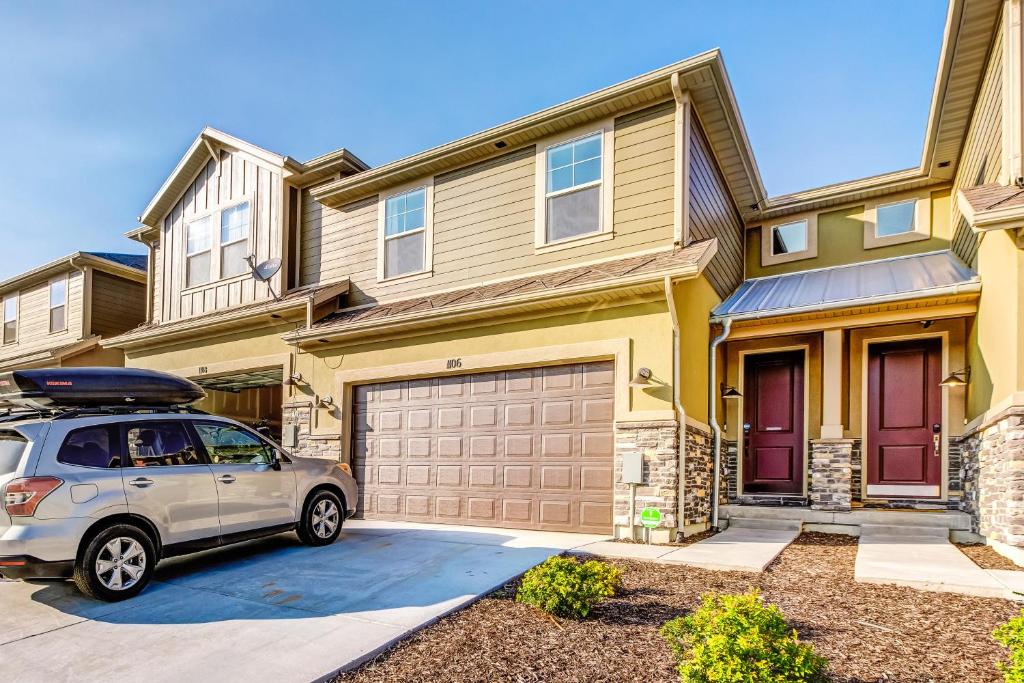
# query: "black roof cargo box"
{"type": "Point", "coordinates": [52, 388]}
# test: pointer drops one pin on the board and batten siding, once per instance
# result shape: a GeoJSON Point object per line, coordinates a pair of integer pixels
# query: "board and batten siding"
{"type": "Point", "coordinates": [981, 161]}
{"type": "Point", "coordinates": [483, 218]}
{"type": "Point", "coordinates": [118, 304]}
{"type": "Point", "coordinates": [238, 177]}
{"type": "Point", "coordinates": [713, 214]}
{"type": "Point", "coordinates": [34, 318]}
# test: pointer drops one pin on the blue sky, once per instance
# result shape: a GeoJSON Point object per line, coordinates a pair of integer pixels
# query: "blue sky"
{"type": "Point", "coordinates": [102, 98]}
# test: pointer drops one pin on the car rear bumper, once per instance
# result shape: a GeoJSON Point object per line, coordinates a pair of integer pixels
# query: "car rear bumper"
{"type": "Point", "coordinates": [46, 540]}
{"type": "Point", "coordinates": [28, 567]}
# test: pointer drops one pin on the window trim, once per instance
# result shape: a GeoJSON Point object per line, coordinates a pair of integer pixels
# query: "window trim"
{"type": "Point", "coordinates": [16, 296]}
{"type": "Point", "coordinates": [921, 229]}
{"type": "Point", "coordinates": [606, 231]}
{"type": "Point", "coordinates": [428, 230]}
{"type": "Point", "coordinates": [67, 297]}
{"type": "Point", "coordinates": [769, 258]}
{"type": "Point", "coordinates": [216, 246]}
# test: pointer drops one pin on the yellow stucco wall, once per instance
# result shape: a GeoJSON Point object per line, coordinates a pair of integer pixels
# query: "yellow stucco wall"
{"type": "Point", "coordinates": [695, 300]}
{"type": "Point", "coordinates": [841, 239]}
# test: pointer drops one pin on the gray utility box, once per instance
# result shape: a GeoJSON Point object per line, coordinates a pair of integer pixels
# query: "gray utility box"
{"type": "Point", "coordinates": [632, 468]}
{"type": "Point", "coordinates": [290, 436]}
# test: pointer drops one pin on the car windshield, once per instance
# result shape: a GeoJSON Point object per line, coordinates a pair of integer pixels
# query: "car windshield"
{"type": "Point", "coordinates": [12, 447]}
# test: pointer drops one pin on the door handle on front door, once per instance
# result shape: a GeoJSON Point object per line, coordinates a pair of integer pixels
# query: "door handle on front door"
{"type": "Point", "coordinates": [141, 482]}
{"type": "Point", "coordinates": [937, 439]}
{"type": "Point", "coordinates": [226, 479]}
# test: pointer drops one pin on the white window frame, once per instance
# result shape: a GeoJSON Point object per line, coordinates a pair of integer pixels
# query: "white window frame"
{"type": "Point", "coordinates": [605, 230]}
{"type": "Point", "coordinates": [247, 236]}
{"type": "Point", "coordinates": [16, 296]}
{"type": "Point", "coordinates": [921, 229]}
{"type": "Point", "coordinates": [216, 245]}
{"type": "Point", "coordinates": [50, 307]}
{"type": "Point", "coordinates": [428, 231]}
{"type": "Point", "coordinates": [769, 258]}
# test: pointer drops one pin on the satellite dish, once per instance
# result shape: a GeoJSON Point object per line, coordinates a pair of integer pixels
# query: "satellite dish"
{"type": "Point", "coordinates": [264, 271]}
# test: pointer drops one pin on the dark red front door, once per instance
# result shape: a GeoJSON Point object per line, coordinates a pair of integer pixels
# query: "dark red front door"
{"type": "Point", "coordinates": [904, 417]}
{"type": "Point", "coordinates": [773, 429]}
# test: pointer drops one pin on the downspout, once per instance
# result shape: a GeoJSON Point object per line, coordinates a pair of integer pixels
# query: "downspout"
{"type": "Point", "coordinates": [680, 411]}
{"type": "Point", "coordinates": [713, 417]}
{"type": "Point", "coordinates": [86, 320]}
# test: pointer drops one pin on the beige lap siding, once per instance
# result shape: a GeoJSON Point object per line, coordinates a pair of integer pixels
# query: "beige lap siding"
{"type": "Point", "coordinates": [528, 448]}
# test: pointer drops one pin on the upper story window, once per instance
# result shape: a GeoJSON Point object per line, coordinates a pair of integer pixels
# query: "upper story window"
{"type": "Point", "coordinates": [895, 219]}
{"type": "Point", "coordinates": [58, 304]}
{"type": "Point", "coordinates": [234, 240]}
{"type": "Point", "coordinates": [405, 233]}
{"type": "Point", "coordinates": [789, 238]}
{"type": "Point", "coordinates": [573, 188]}
{"type": "Point", "coordinates": [198, 246]}
{"type": "Point", "coordinates": [11, 318]}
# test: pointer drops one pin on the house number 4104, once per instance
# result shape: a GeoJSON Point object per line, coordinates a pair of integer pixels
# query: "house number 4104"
{"type": "Point", "coordinates": [454, 363]}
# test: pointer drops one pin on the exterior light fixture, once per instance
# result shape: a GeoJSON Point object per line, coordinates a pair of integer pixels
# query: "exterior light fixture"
{"type": "Point", "coordinates": [293, 379]}
{"type": "Point", "coordinates": [730, 392]}
{"type": "Point", "coordinates": [642, 378]}
{"type": "Point", "coordinates": [325, 402]}
{"type": "Point", "coordinates": [957, 379]}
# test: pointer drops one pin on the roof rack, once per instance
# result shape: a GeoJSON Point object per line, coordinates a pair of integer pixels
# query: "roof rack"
{"type": "Point", "coordinates": [124, 410]}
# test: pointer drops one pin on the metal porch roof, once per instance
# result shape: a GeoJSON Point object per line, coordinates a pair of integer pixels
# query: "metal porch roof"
{"type": "Point", "coordinates": [902, 277]}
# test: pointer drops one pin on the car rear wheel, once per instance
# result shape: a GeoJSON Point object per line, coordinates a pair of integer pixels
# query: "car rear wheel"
{"type": "Point", "coordinates": [117, 563]}
{"type": "Point", "coordinates": [321, 519]}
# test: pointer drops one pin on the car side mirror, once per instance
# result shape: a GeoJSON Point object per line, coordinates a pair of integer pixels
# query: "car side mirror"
{"type": "Point", "coordinates": [275, 460]}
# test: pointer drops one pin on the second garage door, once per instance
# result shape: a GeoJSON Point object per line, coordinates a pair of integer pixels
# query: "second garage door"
{"type": "Point", "coordinates": [528, 448]}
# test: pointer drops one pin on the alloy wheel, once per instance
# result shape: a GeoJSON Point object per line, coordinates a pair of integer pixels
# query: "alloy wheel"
{"type": "Point", "coordinates": [121, 563]}
{"type": "Point", "coordinates": [325, 518]}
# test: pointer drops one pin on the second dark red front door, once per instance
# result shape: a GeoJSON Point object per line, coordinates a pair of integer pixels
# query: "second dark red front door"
{"type": "Point", "coordinates": [773, 429]}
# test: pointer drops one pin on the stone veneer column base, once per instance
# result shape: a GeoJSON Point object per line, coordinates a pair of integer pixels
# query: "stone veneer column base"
{"type": "Point", "coordinates": [310, 445]}
{"type": "Point", "coordinates": [992, 471]}
{"type": "Point", "coordinates": [698, 481]}
{"type": "Point", "coordinates": [831, 470]}
{"type": "Point", "coordinates": [658, 441]}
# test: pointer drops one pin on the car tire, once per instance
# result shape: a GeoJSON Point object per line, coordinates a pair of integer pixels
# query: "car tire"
{"type": "Point", "coordinates": [120, 555]}
{"type": "Point", "coordinates": [322, 518]}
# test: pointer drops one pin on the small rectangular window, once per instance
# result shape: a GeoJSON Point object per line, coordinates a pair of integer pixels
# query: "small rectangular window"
{"type": "Point", "coordinates": [405, 224]}
{"type": "Point", "coordinates": [789, 238]}
{"type": "Point", "coordinates": [90, 447]}
{"type": "Point", "coordinates": [58, 305]}
{"type": "Point", "coordinates": [895, 219]}
{"type": "Point", "coordinates": [11, 319]}
{"type": "Point", "coordinates": [573, 188]}
{"type": "Point", "coordinates": [234, 240]}
{"type": "Point", "coordinates": [160, 444]}
{"type": "Point", "coordinates": [198, 244]}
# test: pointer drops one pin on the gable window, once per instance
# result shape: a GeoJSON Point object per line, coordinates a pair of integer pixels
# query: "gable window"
{"type": "Point", "coordinates": [895, 219]}
{"type": "Point", "coordinates": [789, 238]}
{"type": "Point", "coordinates": [58, 304]}
{"type": "Point", "coordinates": [234, 240]}
{"type": "Point", "coordinates": [405, 232]}
{"type": "Point", "coordinates": [573, 188]}
{"type": "Point", "coordinates": [11, 318]}
{"type": "Point", "coordinates": [198, 245]}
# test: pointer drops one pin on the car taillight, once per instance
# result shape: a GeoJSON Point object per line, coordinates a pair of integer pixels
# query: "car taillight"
{"type": "Point", "coordinates": [22, 496]}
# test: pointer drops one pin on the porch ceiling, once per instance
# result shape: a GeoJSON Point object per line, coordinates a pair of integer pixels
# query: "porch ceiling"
{"type": "Point", "coordinates": [235, 382]}
{"type": "Point", "coordinates": [936, 276]}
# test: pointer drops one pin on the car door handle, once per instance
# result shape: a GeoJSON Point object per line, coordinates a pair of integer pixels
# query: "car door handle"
{"type": "Point", "coordinates": [141, 482]}
{"type": "Point", "coordinates": [226, 479]}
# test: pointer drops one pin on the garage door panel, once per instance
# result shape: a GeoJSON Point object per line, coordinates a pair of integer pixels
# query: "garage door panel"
{"type": "Point", "coordinates": [524, 448]}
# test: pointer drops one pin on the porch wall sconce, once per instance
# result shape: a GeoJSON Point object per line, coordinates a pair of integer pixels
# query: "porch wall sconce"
{"type": "Point", "coordinates": [293, 379]}
{"type": "Point", "coordinates": [325, 402]}
{"type": "Point", "coordinates": [642, 378]}
{"type": "Point", "coordinates": [730, 392]}
{"type": "Point", "coordinates": [957, 379]}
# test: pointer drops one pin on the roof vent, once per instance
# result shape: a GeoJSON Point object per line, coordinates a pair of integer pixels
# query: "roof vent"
{"type": "Point", "coordinates": [943, 164]}
{"type": "Point", "coordinates": [501, 144]}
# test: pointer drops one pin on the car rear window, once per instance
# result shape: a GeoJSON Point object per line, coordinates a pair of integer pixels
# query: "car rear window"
{"type": "Point", "coordinates": [12, 447]}
{"type": "Point", "coordinates": [90, 447]}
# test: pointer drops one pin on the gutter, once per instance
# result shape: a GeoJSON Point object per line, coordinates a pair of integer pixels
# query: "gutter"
{"type": "Point", "coordinates": [713, 418]}
{"type": "Point", "coordinates": [680, 410]}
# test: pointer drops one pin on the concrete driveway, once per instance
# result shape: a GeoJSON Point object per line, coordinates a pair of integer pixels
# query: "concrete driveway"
{"type": "Point", "coordinates": [268, 610]}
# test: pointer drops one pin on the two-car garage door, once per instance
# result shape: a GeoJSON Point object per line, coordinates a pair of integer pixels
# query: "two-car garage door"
{"type": "Point", "coordinates": [526, 448]}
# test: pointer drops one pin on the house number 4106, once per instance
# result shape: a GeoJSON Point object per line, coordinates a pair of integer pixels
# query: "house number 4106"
{"type": "Point", "coordinates": [454, 363]}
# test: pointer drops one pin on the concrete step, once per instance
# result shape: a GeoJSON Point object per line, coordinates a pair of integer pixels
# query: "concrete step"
{"type": "Point", "coordinates": [760, 523]}
{"type": "Point", "coordinates": [946, 519]}
{"type": "Point", "coordinates": [903, 531]}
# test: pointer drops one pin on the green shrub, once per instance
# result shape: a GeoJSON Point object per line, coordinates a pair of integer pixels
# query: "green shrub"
{"type": "Point", "coordinates": [739, 639]}
{"type": "Point", "coordinates": [1011, 635]}
{"type": "Point", "coordinates": [566, 587]}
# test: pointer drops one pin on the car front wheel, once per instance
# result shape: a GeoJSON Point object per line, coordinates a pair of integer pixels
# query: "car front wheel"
{"type": "Point", "coordinates": [116, 564]}
{"type": "Point", "coordinates": [321, 519]}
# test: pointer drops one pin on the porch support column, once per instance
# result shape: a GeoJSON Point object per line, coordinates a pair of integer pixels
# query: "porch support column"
{"type": "Point", "coordinates": [832, 385]}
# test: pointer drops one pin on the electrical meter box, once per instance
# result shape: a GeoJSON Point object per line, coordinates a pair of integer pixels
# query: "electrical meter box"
{"type": "Point", "coordinates": [290, 436]}
{"type": "Point", "coordinates": [632, 468]}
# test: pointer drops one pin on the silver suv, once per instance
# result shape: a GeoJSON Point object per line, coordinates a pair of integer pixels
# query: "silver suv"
{"type": "Point", "coordinates": [102, 496]}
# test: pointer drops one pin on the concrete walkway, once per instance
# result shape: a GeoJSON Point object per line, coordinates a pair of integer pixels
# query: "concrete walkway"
{"type": "Point", "coordinates": [749, 547]}
{"type": "Point", "coordinates": [926, 560]}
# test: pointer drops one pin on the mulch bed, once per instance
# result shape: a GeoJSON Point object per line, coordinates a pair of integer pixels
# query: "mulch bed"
{"type": "Point", "coordinates": [986, 557]}
{"type": "Point", "coordinates": [868, 632]}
